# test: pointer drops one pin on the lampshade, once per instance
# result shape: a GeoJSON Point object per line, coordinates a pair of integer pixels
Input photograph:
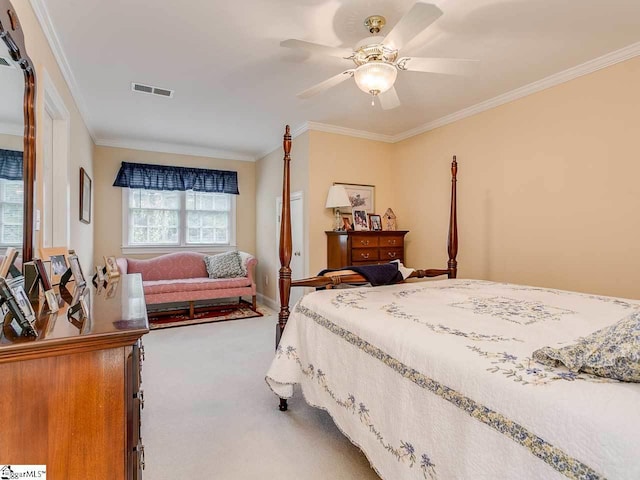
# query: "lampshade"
{"type": "Point", "coordinates": [375, 77]}
{"type": "Point", "coordinates": [337, 197]}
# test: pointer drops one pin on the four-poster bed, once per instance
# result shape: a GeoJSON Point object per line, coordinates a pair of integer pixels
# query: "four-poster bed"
{"type": "Point", "coordinates": [438, 380]}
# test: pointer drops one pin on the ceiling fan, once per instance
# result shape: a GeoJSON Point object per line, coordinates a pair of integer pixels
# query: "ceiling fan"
{"type": "Point", "coordinates": [377, 60]}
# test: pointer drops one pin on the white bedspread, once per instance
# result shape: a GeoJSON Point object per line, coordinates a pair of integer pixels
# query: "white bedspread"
{"type": "Point", "coordinates": [434, 380]}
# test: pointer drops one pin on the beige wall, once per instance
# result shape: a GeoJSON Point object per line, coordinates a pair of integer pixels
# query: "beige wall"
{"type": "Point", "coordinates": [268, 188]}
{"type": "Point", "coordinates": [318, 160]}
{"type": "Point", "coordinates": [338, 158]}
{"type": "Point", "coordinates": [548, 188]}
{"type": "Point", "coordinates": [108, 199]}
{"type": "Point", "coordinates": [81, 144]}
{"type": "Point", "coordinates": [11, 142]}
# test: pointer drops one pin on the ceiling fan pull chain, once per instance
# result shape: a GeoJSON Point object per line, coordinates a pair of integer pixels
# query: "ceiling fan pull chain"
{"type": "Point", "coordinates": [373, 100]}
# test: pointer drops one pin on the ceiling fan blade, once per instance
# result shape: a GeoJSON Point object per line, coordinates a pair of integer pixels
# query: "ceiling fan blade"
{"type": "Point", "coordinates": [317, 48]}
{"type": "Point", "coordinates": [414, 21]}
{"type": "Point", "coordinates": [326, 85]}
{"type": "Point", "coordinates": [389, 99]}
{"type": "Point", "coordinates": [446, 66]}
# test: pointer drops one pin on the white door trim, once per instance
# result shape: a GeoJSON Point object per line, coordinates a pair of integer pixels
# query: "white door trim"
{"type": "Point", "coordinates": [54, 105]}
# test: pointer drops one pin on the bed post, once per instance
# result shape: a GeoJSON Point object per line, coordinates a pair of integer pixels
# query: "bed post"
{"type": "Point", "coordinates": [284, 276]}
{"type": "Point", "coordinates": [452, 240]}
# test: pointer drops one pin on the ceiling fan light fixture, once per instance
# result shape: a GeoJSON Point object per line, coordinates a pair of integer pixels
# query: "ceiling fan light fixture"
{"type": "Point", "coordinates": [375, 77]}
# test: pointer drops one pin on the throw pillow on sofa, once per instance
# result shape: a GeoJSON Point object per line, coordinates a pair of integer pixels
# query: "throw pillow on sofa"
{"type": "Point", "coordinates": [225, 265]}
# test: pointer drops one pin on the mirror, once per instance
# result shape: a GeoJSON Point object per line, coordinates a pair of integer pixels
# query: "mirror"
{"type": "Point", "coordinates": [17, 137]}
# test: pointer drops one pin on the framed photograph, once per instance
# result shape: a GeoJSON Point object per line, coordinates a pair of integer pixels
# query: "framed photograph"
{"type": "Point", "coordinates": [57, 258]}
{"type": "Point", "coordinates": [360, 221]}
{"type": "Point", "coordinates": [76, 270]}
{"type": "Point", "coordinates": [346, 224]}
{"type": "Point", "coordinates": [375, 222]}
{"type": "Point", "coordinates": [85, 196]}
{"type": "Point", "coordinates": [112, 267]}
{"type": "Point", "coordinates": [10, 256]}
{"type": "Point", "coordinates": [360, 196]}
{"type": "Point", "coordinates": [111, 289]}
{"type": "Point", "coordinates": [42, 274]}
{"type": "Point", "coordinates": [100, 274]}
{"type": "Point", "coordinates": [19, 305]}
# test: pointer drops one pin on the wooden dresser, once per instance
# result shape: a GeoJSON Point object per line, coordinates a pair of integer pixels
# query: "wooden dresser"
{"type": "Point", "coordinates": [364, 248]}
{"type": "Point", "coordinates": [71, 398]}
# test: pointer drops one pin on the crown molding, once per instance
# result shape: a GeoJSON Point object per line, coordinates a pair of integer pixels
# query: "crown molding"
{"type": "Point", "coordinates": [16, 129]}
{"type": "Point", "coordinates": [328, 128]}
{"type": "Point", "coordinates": [42, 14]}
{"type": "Point", "coordinates": [350, 132]}
{"type": "Point", "coordinates": [572, 73]}
{"type": "Point", "coordinates": [161, 147]}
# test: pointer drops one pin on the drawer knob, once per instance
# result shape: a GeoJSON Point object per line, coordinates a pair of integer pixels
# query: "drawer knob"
{"type": "Point", "coordinates": [392, 254]}
{"type": "Point", "coordinates": [364, 242]}
{"type": "Point", "coordinates": [392, 242]}
{"type": "Point", "coordinates": [364, 255]}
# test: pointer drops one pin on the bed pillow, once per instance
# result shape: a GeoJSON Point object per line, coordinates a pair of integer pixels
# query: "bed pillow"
{"type": "Point", "coordinates": [225, 265]}
{"type": "Point", "coordinates": [612, 352]}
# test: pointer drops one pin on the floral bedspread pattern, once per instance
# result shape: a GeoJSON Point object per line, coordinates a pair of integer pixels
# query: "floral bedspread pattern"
{"type": "Point", "coordinates": [430, 381]}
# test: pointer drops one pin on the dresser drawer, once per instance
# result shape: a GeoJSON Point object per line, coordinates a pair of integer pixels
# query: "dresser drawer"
{"type": "Point", "coordinates": [390, 254]}
{"type": "Point", "coordinates": [364, 248]}
{"type": "Point", "coordinates": [392, 241]}
{"type": "Point", "coordinates": [360, 241]}
{"type": "Point", "coordinates": [364, 254]}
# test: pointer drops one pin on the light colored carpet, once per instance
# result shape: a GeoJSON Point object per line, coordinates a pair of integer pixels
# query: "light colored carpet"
{"type": "Point", "coordinates": [209, 413]}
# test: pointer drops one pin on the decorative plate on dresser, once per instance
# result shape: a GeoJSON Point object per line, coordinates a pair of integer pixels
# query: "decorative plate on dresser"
{"type": "Point", "coordinates": [364, 248]}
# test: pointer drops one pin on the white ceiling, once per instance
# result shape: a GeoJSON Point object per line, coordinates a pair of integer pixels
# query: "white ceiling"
{"type": "Point", "coordinates": [235, 86]}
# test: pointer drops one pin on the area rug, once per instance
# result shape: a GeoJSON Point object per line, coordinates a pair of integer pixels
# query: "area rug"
{"type": "Point", "coordinates": [182, 320]}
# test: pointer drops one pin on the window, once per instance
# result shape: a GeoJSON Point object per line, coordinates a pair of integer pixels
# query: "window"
{"type": "Point", "coordinates": [157, 218]}
{"type": "Point", "coordinates": [11, 212]}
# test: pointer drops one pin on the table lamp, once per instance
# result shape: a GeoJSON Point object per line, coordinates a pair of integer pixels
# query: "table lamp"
{"type": "Point", "coordinates": [336, 198]}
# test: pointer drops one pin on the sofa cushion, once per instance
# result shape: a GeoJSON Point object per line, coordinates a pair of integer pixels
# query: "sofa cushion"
{"type": "Point", "coordinates": [172, 266]}
{"type": "Point", "coordinates": [193, 284]}
{"type": "Point", "coordinates": [225, 265]}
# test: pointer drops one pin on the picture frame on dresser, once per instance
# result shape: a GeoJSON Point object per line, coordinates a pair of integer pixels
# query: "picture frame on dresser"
{"type": "Point", "coordinates": [360, 221]}
{"type": "Point", "coordinates": [57, 259]}
{"type": "Point", "coordinates": [362, 197]}
{"type": "Point", "coordinates": [16, 299]}
{"type": "Point", "coordinates": [76, 270]}
{"type": "Point", "coordinates": [111, 266]}
{"type": "Point", "coordinates": [375, 223]}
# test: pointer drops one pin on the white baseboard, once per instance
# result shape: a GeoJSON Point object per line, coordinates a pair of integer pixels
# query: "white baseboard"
{"type": "Point", "coordinates": [269, 302]}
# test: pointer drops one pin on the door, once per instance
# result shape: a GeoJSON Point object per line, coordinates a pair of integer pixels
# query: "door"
{"type": "Point", "coordinates": [297, 264]}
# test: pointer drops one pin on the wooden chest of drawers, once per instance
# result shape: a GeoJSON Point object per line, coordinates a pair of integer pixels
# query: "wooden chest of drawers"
{"type": "Point", "coordinates": [71, 398]}
{"type": "Point", "coordinates": [364, 248]}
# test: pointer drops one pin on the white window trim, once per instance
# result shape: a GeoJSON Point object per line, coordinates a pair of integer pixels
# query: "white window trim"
{"type": "Point", "coordinates": [156, 249]}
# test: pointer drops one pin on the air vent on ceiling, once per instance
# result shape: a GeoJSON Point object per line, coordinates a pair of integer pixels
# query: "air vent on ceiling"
{"type": "Point", "coordinates": [5, 62]}
{"type": "Point", "coordinates": [141, 88]}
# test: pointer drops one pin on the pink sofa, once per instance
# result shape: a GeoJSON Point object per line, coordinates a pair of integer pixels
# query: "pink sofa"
{"type": "Point", "coordinates": [183, 277]}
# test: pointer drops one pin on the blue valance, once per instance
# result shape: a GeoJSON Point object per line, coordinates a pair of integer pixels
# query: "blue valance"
{"type": "Point", "coordinates": [166, 177]}
{"type": "Point", "coordinates": [10, 164]}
